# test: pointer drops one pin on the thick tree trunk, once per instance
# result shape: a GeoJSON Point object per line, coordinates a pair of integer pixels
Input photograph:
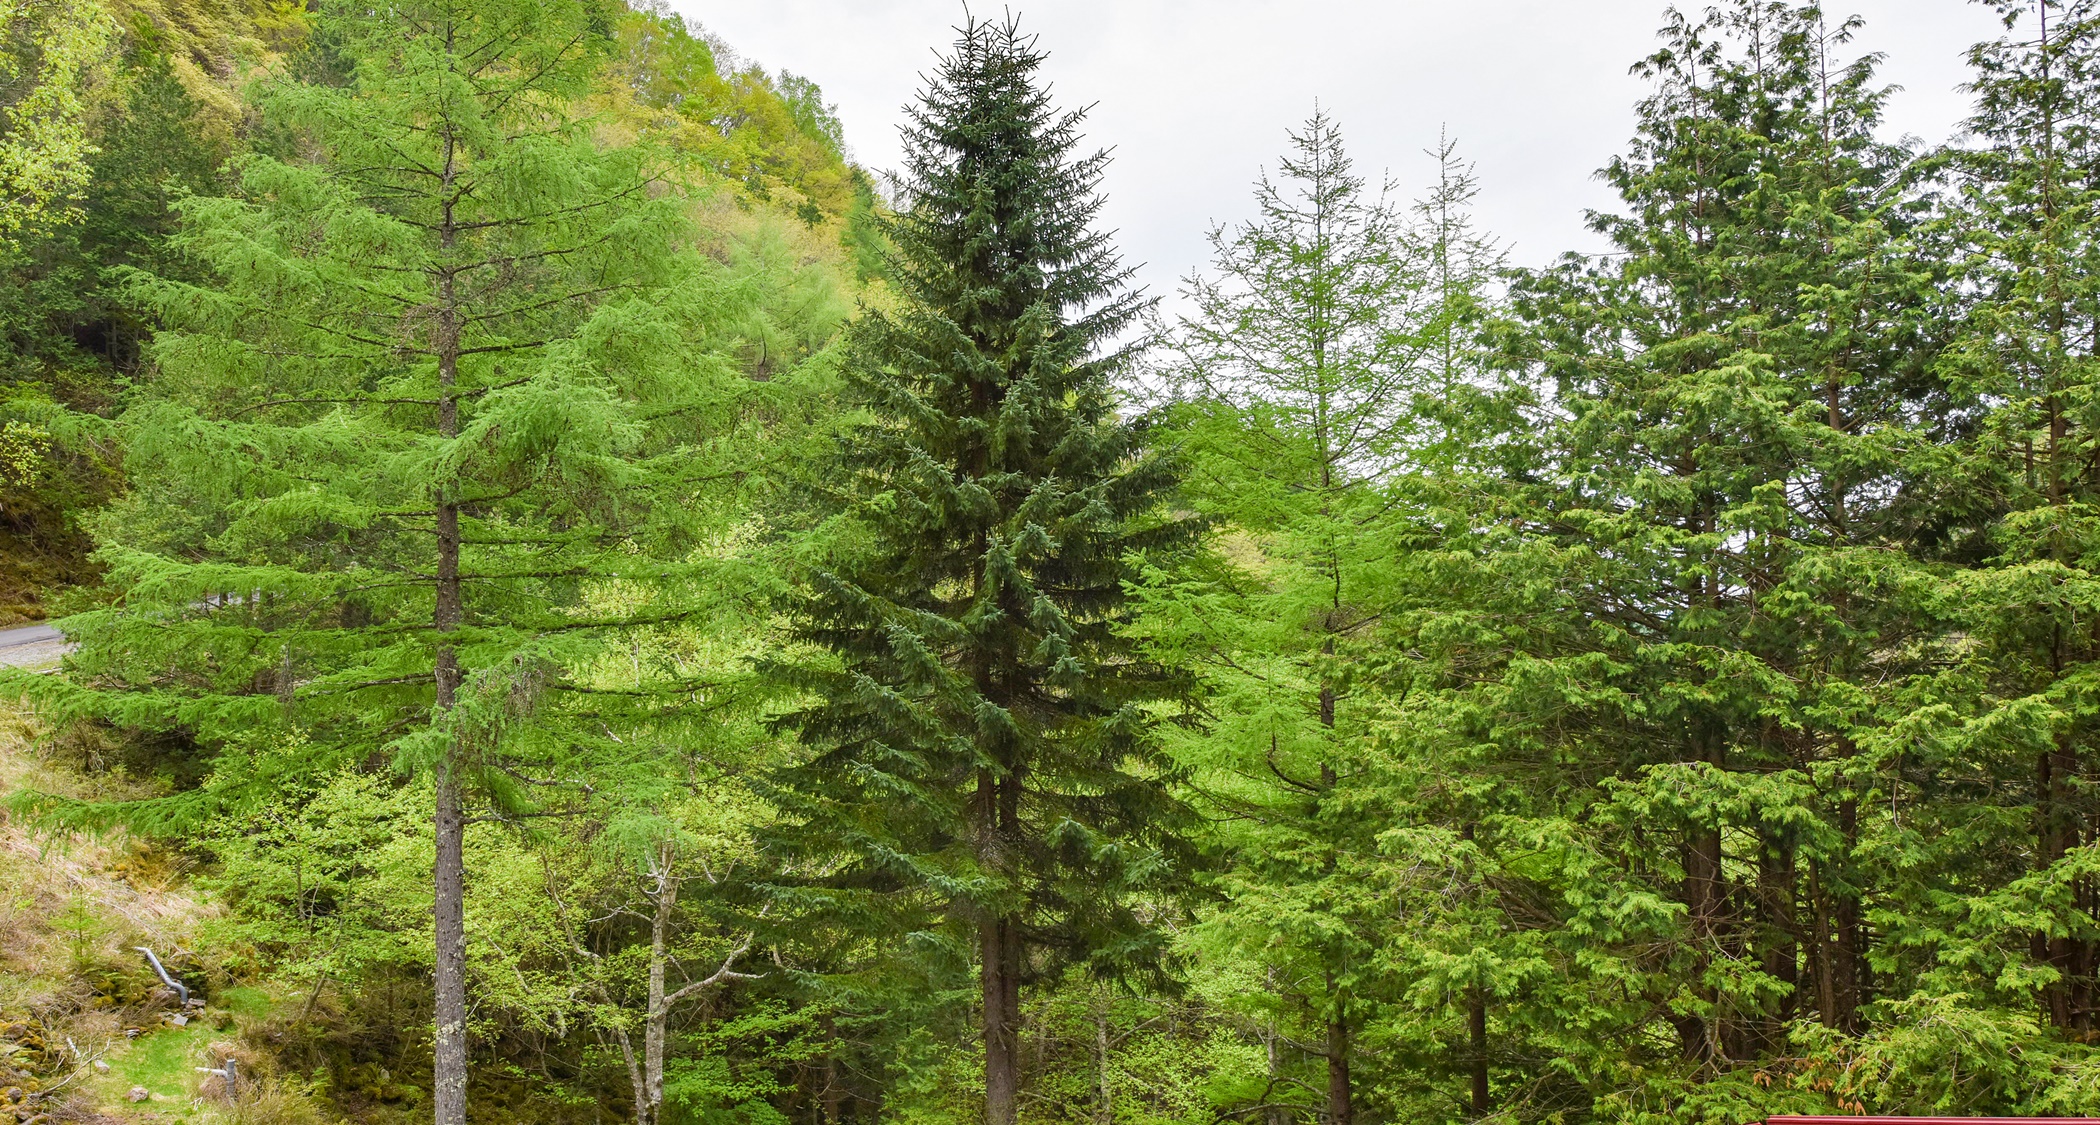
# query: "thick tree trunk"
{"type": "Point", "coordinates": [1001, 1023]}
{"type": "Point", "coordinates": [1703, 903]}
{"type": "Point", "coordinates": [1340, 1110]}
{"type": "Point", "coordinates": [449, 1056]}
{"type": "Point", "coordinates": [1849, 962]}
{"type": "Point", "coordinates": [999, 952]}
{"type": "Point", "coordinates": [1477, 1029]}
{"type": "Point", "coordinates": [1776, 892]}
{"type": "Point", "coordinates": [450, 1050]}
{"type": "Point", "coordinates": [2057, 834]}
{"type": "Point", "coordinates": [1822, 973]}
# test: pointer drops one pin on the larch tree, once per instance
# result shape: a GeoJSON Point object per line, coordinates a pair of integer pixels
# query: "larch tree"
{"type": "Point", "coordinates": [982, 768]}
{"type": "Point", "coordinates": [1308, 376]}
{"type": "Point", "coordinates": [430, 430]}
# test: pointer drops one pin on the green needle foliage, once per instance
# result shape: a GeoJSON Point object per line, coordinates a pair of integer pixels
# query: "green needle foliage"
{"type": "Point", "coordinates": [1662, 673]}
{"type": "Point", "coordinates": [1310, 373]}
{"type": "Point", "coordinates": [983, 768]}
{"type": "Point", "coordinates": [1657, 688]}
{"type": "Point", "coordinates": [2022, 705]}
{"type": "Point", "coordinates": [434, 431]}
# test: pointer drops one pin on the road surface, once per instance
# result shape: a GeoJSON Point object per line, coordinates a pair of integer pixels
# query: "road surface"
{"type": "Point", "coordinates": [31, 645]}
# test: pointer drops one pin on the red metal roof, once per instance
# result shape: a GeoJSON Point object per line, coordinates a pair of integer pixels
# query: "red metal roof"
{"type": "Point", "coordinates": [1935, 1120]}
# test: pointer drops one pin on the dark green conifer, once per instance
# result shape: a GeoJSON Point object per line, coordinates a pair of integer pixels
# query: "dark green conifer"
{"type": "Point", "coordinates": [1679, 652]}
{"type": "Point", "coordinates": [983, 770]}
{"type": "Point", "coordinates": [2029, 227]}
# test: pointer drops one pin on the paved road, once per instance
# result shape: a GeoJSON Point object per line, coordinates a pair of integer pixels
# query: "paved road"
{"type": "Point", "coordinates": [29, 645]}
{"type": "Point", "coordinates": [28, 635]}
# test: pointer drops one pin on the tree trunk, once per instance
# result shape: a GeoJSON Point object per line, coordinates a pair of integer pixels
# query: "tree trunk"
{"type": "Point", "coordinates": [658, 1019]}
{"type": "Point", "coordinates": [2057, 834]}
{"type": "Point", "coordinates": [1705, 899]}
{"type": "Point", "coordinates": [1105, 1105]}
{"type": "Point", "coordinates": [449, 1055]}
{"type": "Point", "coordinates": [999, 952]}
{"type": "Point", "coordinates": [1339, 1109]}
{"type": "Point", "coordinates": [1476, 1007]}
{"type": "Point", "coordinates": [1776, 892]}
{"type": "Point", "coordinates": [636, 1080]}
{"type": "Point", "coordinates": [1849, 968]}
{"type": "Point", "coordinates": [1273, 1039]}
{"type": "Point", "coordinates": [1477, 1027]}
{"type": "Point", "coordinates": [832, 1097]}
{"type": "Point", "coordinates": [1822, 952]}
{"type": "Point", "coordinates": [1339, 1095]}
{"type": "Point", "coordinates": [1001, 1019]}
{"type": "Point", "coordinates": [450, 870]}
{"type": "Point", "coordinates": [1702, 899]}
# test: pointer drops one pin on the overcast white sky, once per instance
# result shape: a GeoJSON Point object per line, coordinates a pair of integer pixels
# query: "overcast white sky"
{"type": "Point", "coordinates": [1194, 95]}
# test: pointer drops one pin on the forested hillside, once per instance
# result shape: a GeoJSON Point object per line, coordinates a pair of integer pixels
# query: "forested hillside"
{"type": "Point", "coordinates": [584, 610]}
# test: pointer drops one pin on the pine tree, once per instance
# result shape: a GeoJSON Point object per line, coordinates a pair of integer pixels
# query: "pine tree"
{"type": "Point", "coordinates": [430, 432]}
{"type": "Point", "coordinates": [983, 771]}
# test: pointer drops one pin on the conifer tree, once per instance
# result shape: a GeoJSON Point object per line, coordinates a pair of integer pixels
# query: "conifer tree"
{"type": "Point", "coordinates": [1672, 654]}
{"type": "Point", "coordinates": [1311, 374]}
{"type": "Point", "coordinates": [1739, 392]}
{"type": "Point", "coordinates": [2028, 220]}
{"type": "Point", "coordinates": [432, 426]}
{"type": "Point", "coordinates": [983, 771]}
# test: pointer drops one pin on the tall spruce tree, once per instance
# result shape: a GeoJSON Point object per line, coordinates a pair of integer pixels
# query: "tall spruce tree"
{"type": "Point", "coordinates": [983, 770]}
{"type": "Point", "coordinates": [431, 426]}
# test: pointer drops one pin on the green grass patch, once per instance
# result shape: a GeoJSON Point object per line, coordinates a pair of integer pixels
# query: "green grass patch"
{"type": "Point", "coordinates": [246, 1000]}
{"type": "Point", "coordinates": [163, 1061]}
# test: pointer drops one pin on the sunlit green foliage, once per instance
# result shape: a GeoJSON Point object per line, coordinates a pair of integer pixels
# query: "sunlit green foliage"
{"type": "Point", "coordinates": [1311, 373]}
{"type": "Point", "coordinates": [47, 51]}
{"type": "Point", "coordinates": [1655, 688]}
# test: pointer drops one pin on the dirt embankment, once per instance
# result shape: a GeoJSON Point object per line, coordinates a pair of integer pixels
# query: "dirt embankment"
{"type": "Point", "coordinates": [88, 1031]}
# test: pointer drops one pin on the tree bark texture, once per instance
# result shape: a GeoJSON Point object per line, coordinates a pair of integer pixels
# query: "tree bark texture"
{"type": "Point", "coordinates": [449, 1054]}
{"type": "Point", "coordinates": [1000, 952]}
{"type": "Point", "coordinates": [1340, 1110]}
{"type": "Point", "coordinates": [1477, 1031]}
{"type": "Point", "coordinates": [1002, 1055]}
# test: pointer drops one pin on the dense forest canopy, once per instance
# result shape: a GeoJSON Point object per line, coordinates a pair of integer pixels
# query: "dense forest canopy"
{"type": "Point", "coordinates": [577, 607]}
